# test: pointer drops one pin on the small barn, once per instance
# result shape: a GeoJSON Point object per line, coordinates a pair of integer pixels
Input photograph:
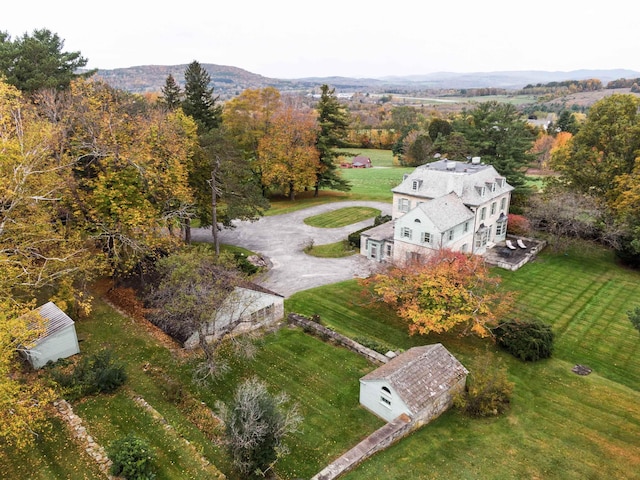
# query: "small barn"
{"type": "Point", "coordinates": [361, 161]}
{"type": "Point", "coordinates": [419, 383]}
{"type": "Point", "coordinates": [58, 341]}
{"type": "Point", "coordinates": [247, 307]}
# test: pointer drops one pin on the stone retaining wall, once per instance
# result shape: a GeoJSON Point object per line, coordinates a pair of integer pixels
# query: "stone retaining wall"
{"type": "Point", "coordinates": [372, 355]}
{"type": "Point", "coordinates": [377, 441]}
{"type": "Point", "coordinates": [93, 449]}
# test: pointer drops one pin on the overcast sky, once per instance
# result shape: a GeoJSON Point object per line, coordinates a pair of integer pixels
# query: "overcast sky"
{"type": "Point", "coordinates": [357, 38]}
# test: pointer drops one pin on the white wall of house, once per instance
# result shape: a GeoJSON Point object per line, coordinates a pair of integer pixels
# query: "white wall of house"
{"type": "Point", "coordinates": [488, 214]}
{"type": "Point", "coordinates": [416, 234]}
{"type": "Point", "coordinates": [381, 399]}
{"type": "Point", "coordinates": [378, 250]}
{"type": "Point", "coordinates": [62, 344]}
{"type": "Point", "coordinates": [253, 308]}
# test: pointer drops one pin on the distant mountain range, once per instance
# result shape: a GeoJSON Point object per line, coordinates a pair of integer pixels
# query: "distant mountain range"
{"type": "Point", "coordinates": [229, 81]}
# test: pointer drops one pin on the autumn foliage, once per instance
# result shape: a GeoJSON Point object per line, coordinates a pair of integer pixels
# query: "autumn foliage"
{"type": "Point", "coordinates": [449, 290]}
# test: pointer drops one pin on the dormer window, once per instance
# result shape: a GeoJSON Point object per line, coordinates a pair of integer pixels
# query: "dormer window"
{"type": "Point", "coordinates": [491, 186]}
{"type": "Point", "coordinates": [500, 182]}
{"type": "Point", "coordinates": [481, 191]}
{"type": "Point", "coordinates": [415, 185]}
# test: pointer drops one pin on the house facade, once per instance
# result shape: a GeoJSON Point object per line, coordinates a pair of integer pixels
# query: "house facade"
{"type": "Point", "coordinates": [462, 206]}
{"type": "Point", "coordinates": [246, 308]}
{"type": "Point", "coordinates": [59, 339]}
{"type": "Point", "coordinates": [419, 383]}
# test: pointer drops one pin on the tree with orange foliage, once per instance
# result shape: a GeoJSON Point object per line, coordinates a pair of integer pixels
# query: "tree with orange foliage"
{"type": "Point", "coordinates": [448, 290]}
{"type": "Point", "coordinates": [287, 154]}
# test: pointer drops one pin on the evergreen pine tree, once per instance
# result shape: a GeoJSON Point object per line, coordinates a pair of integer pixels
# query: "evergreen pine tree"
{"type": "Point", "coordinates": [199, 102]}
{"type": "Point", "coordinates": [171, 93]}
{"type": "Point", "coordinates": [333, 120]}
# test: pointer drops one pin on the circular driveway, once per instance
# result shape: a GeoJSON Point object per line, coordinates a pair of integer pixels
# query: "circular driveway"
{"type": "Point", "coordinates": [280, 239]}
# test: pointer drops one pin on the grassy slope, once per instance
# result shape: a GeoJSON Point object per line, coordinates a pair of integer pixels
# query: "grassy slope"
{"type": "Point", "coordinates": [561, 425]}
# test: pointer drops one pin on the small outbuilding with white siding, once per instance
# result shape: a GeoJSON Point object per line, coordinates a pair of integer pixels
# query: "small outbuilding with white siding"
{"type": "Point", "coordinates": [59, 339]}
{"type": "Point", "coordinates": [419, 383]}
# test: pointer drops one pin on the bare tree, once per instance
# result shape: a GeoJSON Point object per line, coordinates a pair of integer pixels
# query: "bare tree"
{"type": "Point", "coordinates": [256, 423]}
{"type": "Point", "coordinates": [196, 300]}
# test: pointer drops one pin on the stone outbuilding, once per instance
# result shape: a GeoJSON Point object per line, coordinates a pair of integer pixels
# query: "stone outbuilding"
{"type": "Point", "coordinates": [419, 383]}
{"type": "Point", "coordinates": [58, 341]}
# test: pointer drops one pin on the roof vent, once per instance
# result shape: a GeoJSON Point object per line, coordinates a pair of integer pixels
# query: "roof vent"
{"type": "Point", "coordinates": [475, 160]}
{"type": "Point", "coordinates": [451, 165]}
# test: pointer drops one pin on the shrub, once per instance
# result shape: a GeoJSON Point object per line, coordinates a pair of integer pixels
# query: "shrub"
{"type": "Point", "coordinates": [244, 264]}
{"type": "Point", "coordinates": [634, 317]}
{"type": "Point", "coordinates": [528, 341]}
{"type": "Point", "coordinates": [354, 237]}
{"type": "Point", "coordinates": [132, 458]}
{"type": "Point", "coordinates": [380, 347]}
{"type": "Point", "coordinates": [488, 390]}
{"type": "Point", "coordinates": [518, 225]}
{"type": "Point", "coordinates": [380, 219]}
{"type": "Point", "coordinates": [98, 373]}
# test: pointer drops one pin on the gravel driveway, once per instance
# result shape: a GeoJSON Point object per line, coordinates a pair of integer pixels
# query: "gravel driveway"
{"type": "Point", "coordinates": [280, 239]}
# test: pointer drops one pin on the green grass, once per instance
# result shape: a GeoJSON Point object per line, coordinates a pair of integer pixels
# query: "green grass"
{"type": "Point", "coordinates": [561, 425]}
{"type": "Point", "coordinates": [54, 455]}
{"type": "Point", "coordinates": [112, 417]}
{"type": "Point", "coordinates": [379, 158]}
{"type": "Point", "coordinates": [323, 380]}
{"type": "Point", "coordinates": [341, 217]}
{"type": "Point", "coordinates": [332, 250]}
{"type": "Point", "coordinates": [372, 184]}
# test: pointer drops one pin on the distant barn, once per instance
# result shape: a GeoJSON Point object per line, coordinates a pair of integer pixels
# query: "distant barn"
{"type": "Point", "coordinates": [361, 162]}
{"type": "Point", "coordinates": [59, 339]}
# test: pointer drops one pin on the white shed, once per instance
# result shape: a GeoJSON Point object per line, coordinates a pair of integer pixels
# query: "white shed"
{"type": "Point", "coordinates": [420, 383]}
{"type": "Point", "coordinates": [246, 308]}
{"type": "Point", "coordinates": [58, 341]}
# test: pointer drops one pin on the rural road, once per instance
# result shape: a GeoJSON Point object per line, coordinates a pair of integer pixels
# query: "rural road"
{"type": "Point", "coordinates": [280, 239]}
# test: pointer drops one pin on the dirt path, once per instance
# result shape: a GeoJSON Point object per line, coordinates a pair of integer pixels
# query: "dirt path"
{"type": "Point", "coordinates": [281, 238]}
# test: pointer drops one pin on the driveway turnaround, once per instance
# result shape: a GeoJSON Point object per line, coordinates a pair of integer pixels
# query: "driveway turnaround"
{"type": "Point", "coordinates": [280, 240]}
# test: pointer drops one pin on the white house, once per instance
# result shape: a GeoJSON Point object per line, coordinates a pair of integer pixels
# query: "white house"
{"type": "Point", "coordinates": [462, 206]}
{"type": "Point", "coordinates": [246, 308]}
{"type": "Point", "coordinates": [419, 383]}
{"type": "Point", "coordinates": [58, 341]}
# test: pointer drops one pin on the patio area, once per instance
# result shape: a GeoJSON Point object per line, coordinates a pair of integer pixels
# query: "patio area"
{"type": "Point", "coordinates": [502, 256]}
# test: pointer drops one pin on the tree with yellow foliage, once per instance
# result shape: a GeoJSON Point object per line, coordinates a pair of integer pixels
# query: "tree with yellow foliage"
{"type": "Point", "coordinates": [287, 154]}
{"type": "Point", "coordinates": [446, 291]}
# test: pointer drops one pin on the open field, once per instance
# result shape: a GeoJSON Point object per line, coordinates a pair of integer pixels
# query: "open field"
{"type": "Point", "coordinates": [379, 158]}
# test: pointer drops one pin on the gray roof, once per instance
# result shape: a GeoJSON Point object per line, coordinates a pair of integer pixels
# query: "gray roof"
{"type": "Point", "coordinates": [440, 178]}
{"type": "Point", "coordinates": [380, 232]}
{"type": "Point", "coordinates": [446, 212]}
{"type": "Point", "coordinates": [420, 374]}
{"type": "Point", "coordinates": [55, 321]}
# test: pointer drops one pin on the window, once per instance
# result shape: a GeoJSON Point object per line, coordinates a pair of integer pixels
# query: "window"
{"type": "Point", "coordinates": [493, 208]}
{"type": "Point", "coordinates": [483, 213]}
{"type": "Point", "coordinates": [426, 237]}
{"type": "Point", "coordinates": [466, 227]}
{"type": "Point", "coordinates": [389, 250]}
{"type": "Point", "coordinates": [481, 191]}
{"type": "Point", "coordinates": [464, 247]}
{"type": "Point", "coordinates": [385, 397]}
{"type": "Point", "coordinates": [501, 228]}
{"type": "Point", "coordinates": [450, 235]}
{"type": "Point", "coordinates": [415, 185]}
{"type": "Point", "coordinates": [503, 203]}
{"type": "Point", "coordinates": [403, 204]}
{"type": "Point", "coordinates": [405, 232]}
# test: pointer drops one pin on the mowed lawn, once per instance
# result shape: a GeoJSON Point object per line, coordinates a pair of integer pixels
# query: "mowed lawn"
{"type": "Point", "coordinates": [341, 217]}
{"type": "Point", "coordinates": [321, 378]}
{"type": "Point", "coordinates": [561, 425]}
